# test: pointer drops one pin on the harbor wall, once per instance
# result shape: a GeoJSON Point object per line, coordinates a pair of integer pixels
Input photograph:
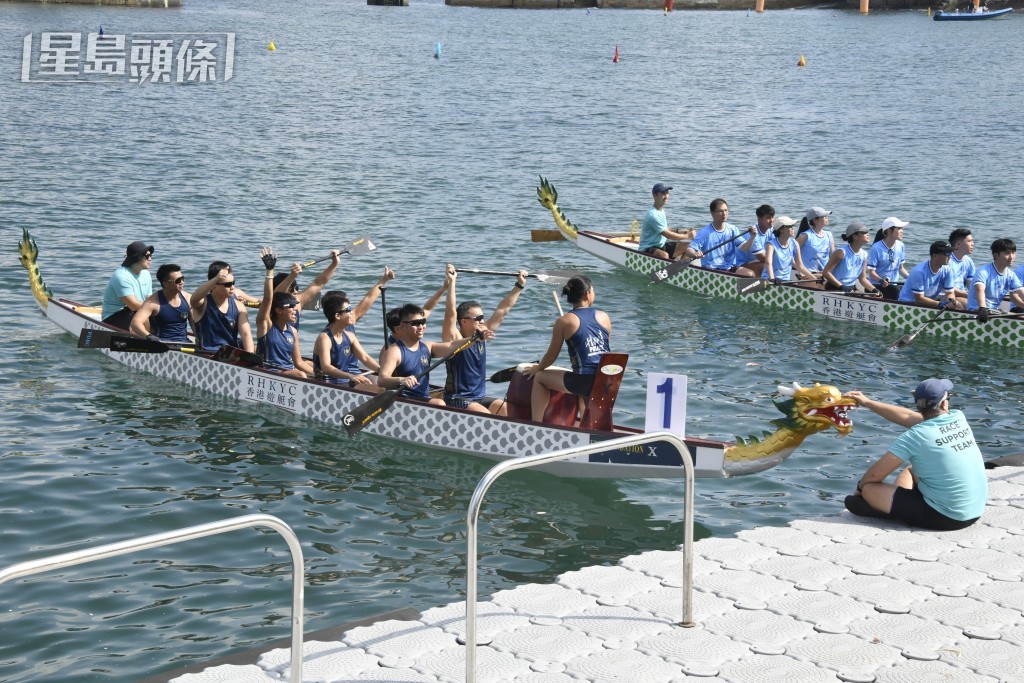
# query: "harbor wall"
{"type": "Point", "coordinates": [876, 5]}
{"type": "Point", "coordinates": [162, 4]}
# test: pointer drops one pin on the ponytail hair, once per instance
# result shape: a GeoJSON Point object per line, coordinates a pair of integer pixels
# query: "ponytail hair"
{"type": "Point", "coordinates": [879, 236]}
{"type": "Point", "coordinates": [576, 288]}
{"type": "Point", "coordinates": [805, 225]}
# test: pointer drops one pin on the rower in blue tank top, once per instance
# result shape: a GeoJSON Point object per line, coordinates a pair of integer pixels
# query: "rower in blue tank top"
{"type": "Point", "coordinates": [165, 313]}
{"type": "Point", "coordinates": [846, 268]}
{"type": "Point", "coordinates": [587, 333]}
{"type": "Point", "coordinates": [466, 386]}
{"type": "Point", "coordinates": [217, 328]}
{"type": "Point", "coordinates": [782, 253]}
{"type": "Point", "coordinates": [277, 338]}
{"type": "Point", "coordinates": [337, 351]}
{"type": "Point", "coordinates": [930, 282]}
{"type": "Point", "coordinates": [217, 317]}
{"type": "Point", "coordinates": [405, 365]}
{"type": "Point", "coordinates": [815, 242]}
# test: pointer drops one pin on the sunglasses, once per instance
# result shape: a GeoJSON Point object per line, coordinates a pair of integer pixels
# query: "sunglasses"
{"type": "Point", "coordinates": [287, 306]}
{"type": "Point", "coordinates": [347, 309]}
{"type": "Point", "coordinates": [478, 318]}
{"type": "Point", "coordinates": [419, 322]}
{"type": "Point", "coordinates": [179, 280]}
{"type": "Point", "coordinates": [227, 285]}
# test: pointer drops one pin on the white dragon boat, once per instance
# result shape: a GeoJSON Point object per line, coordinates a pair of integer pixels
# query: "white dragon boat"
{"type": "Point", "coordinates": [620, 249]}
{"type": "Point", "coordinates": [806, 410]}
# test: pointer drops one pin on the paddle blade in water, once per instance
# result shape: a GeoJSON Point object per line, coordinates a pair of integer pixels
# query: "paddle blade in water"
{"type": "Point", "coordinates": [366, 413]}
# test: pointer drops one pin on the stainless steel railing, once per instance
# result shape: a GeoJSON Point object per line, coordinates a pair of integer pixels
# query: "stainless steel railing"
{"type": "Point", "coordinates": [501, 468]}
{"type": "Point", "coordinates": [46, 564]}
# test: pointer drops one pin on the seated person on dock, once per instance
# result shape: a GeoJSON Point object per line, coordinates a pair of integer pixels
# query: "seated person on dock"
{"type": "Point", "coordinates": [165, 315]}
{"type": "Point", "coordinates": [887, 257]}
{"type": "Point", "coordinates": [782, 254]}
{"type": "Point", "coordinates": [288, 282]}
{"type": "Point", "coordinates": [715, 243]}
{"type": "Point", "coordinates": [129, 286]}
{"type": "Point", "coordinates": [847, 265]}
{"type": "Point", "coordinates": [337, 352]}
{"type": "Point", "coordinates": [995, 280]}
{"type": "Point", "coordinates": [961, 262]}
{"type": "Point", "coordinates": [655, 233]}
{"type": "Point", "coordinates": [277, 340]}
{"type": "Point", "coordinates": [816, 243]}
{"type": "Point", "coordinates": [586, 332]}
{"type": "Point", "coordinates": [218, 317]}
{"type": "Point", "coordinates": [944, 486]}
{"type": "Point", "coordinates": [750, 254]}
{"type": "Point", "coordinates": [930, 283]}
{"type": "Point", "coordinates": [466, 386]}
{"type": "Point", "coordinates": [410, 355]}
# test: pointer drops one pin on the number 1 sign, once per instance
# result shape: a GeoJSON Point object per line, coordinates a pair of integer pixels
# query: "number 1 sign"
{"type": "Point", "coordinates": [666, 403]}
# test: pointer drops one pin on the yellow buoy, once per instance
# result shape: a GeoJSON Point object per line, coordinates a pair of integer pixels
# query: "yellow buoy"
{"type": "Point", "coordinates": [272, 47]}
{"type": "Point", "coordinates": [802, 62]}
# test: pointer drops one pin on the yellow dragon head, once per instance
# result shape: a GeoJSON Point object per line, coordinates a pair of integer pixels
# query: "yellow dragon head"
{"type": "Point", "coordinates": [547, 195]}
{"type": "Point", "coordinates": [28, 252]}
{"type": "Point", "coordinates": [814, 409]}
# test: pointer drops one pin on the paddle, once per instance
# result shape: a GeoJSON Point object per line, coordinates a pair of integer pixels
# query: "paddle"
{"type": "Point", "coordinates": [366, 413]}
{"type": "Point", "coordinates": [751, 285]}
{"type": "Point", "coordinates": [358, 246]}
{"type": "Point", "coordinates": [553, 277]}
{"type": "Point", "coordinates": [114, 341]}
{"type": "Point", "coordinates": [662, 274]}
{"type": "Point", "coordinates": [907, 339]}
{"type": "Point", "coordinates": [384, 313]}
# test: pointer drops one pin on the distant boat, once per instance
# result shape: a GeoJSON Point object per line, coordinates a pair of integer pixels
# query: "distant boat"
{"type": "Point", "coordinates": [970, 16]}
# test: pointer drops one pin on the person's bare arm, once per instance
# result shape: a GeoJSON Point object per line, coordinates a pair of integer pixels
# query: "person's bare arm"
{"type": "Point", "coordinates": [897, 414]}
{"type": "Point", "coordinates": [140, 321]}
{"type": "Point", "coordinates": [508, 302]}
{"type": "Point", "coordinates": [364, 306]}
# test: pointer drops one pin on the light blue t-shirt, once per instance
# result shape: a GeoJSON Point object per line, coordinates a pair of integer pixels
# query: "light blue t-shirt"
{"type": "Point", "coordinates": [963, 271]}
{"type": "Point", "coordinates": [650, 231]}
{"type": "Point", "coordinates": [996, 286]}
{"type": "Point", "coordinates": [947, 463]}
{"type": "Point", "coordinates": [124, 283]}
{"type": "Point", "coordinates": [817, 248]}
{"type": "Point", "coordinates": [782, 259]}
{"type": "Point", "coordinates": [849, 270]}
{"type": "Point", "coordinates": [923, 281]}
{"type": "Point", "coordinates": [886, 262]}
{"type": "Point", "coordinates": [756, 247]}
{"type": "Point", "coordinates": [708, 238]}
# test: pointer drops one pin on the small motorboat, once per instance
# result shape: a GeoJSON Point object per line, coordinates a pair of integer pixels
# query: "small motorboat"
{"type": "Point", "coordinates": [971, 16]}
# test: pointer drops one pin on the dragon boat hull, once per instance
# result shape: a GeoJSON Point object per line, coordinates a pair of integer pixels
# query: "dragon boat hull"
{"type": "Point", "coordinates": [851, 308]}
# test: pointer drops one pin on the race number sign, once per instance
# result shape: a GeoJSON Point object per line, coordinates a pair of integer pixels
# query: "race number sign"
{"type": "Point", "coordinates": [666, 403]}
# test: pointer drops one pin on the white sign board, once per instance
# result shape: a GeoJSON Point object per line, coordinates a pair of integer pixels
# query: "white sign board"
{"type": "Point", "coordinates": [861, 309]}
{"type": "Point", "coordinates": [666, 403]}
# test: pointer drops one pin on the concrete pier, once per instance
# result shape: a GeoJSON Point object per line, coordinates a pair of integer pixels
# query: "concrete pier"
{"type": "Point", "coordinates": [832, 599]}
{"type": "Point", "coordinates": [163, 4]}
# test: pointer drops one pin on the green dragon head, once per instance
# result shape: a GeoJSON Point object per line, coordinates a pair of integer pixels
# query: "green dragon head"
{"type": "Point", "coordinates": [28, 252]}
{"type": "Point", "coordinates": [814, 409]}
{"type": "Point", "coordinates": [547, 195]}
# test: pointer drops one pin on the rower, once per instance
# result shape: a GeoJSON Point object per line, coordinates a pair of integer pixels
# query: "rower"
{"type": "Point", "coordinates": [337, 352]}
{"type": "Point", "coordinates": [586, 331]}
{"type": "Point", "coordinates": [655, 233]}
{"type": "Point", "coordinates": [287, 282]}
{"type": "Point", "coordinates": [277, 340]}
{"type": "Point", "coordinates": [961, 263]}
{"type": "Point", "coordinates": [815, 242]}
{"type": "Point", "coordinates": [995, 280]}
{"type": "Point", "coordinates": [218, 317]}
{"type": "Point", "coordinates": [750, 255]}
{"type": "Point", "coordinates": [165, 315]}
{"type": "Point", "coordinates": [886, 260]}
{"type": "Point", "coordinates": [847, 265]}
{"type": "Point", "coordinates": [129, 286]}
{"type": "Point", "coordinates": [930, 283]}
{"type": "Point", "coordinates": [782, 254]}
{"type": "Point", "coordinates": [466, 386]}
{"type": "Point", "coordinates": [216, 267]}
{"type": "Point", "coordinates": [714, 244]}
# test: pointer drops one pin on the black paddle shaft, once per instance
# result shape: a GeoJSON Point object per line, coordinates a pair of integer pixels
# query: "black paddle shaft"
{"type": "Point", "coordinates": [662, 274]}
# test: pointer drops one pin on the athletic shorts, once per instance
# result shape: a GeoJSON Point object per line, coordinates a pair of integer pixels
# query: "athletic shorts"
{"type": "Point", "coordinates": [578, 384]}
{"type": "Point", "coordinates": [670, 248]}
{"type": "Point", "coordinates": [456, 402]}
{"type": "Point", "coordinates": [909, 505]}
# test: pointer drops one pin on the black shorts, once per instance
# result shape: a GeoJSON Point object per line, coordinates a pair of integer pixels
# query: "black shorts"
{"type": "Point", "coordinates": [670, 248]}
{"type": "Point", "coordinates": [457, 402]}
{"type": "Point", "coordinates": [909, 505]}
{"type": "Point", "coordinates": [578, 384]}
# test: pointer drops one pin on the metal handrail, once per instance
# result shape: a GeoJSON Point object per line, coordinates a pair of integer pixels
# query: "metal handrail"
{"type": "Point", "coordinates": [45, 564]}
{"type": "Point", "coordinates": [532, 460]}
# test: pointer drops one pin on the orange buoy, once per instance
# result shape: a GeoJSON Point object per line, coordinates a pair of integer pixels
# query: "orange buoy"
{"type": "Point", "coordinates": [615, 59]}
{"type": "Point", "coordinates": [802, 61]}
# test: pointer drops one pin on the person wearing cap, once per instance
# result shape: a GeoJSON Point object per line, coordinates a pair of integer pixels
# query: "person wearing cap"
{"type": "Point", "coordinates": [930, 282]}
{"type": "Point", "coordinates": [782, 254]}
{"type": "Point", "coordinates": [944, 486]}
{"type": "Point", "coordinates": [847, 265]}
{"type": "Point", "coordinates": [995, 280]}
{"type": "Point", "coordinates": [277, 339]}
{"type": "Point", "coordinates": [887, 258]}
{"type": "Point", "coordinates": [961, 263]}
{"type": "Point", "coordinates": [751, 254]}
{"type": "Point", "coordinates": [715, 243]}
{"type": "Point", "coordinates": [166, 314]}
{"type": "Point", "coordinates": [655, 233]}
{"type": "Point", "coordinates": [815, 242]}
{"type": "Point", "coordinates": [129, 286]}
{"type": "Point", "coordinates": [218, 317]}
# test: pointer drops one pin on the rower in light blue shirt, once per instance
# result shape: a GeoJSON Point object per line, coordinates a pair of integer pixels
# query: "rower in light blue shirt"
{"type": "Point", "coordinates": [847, 265]}
{"type": "Point", "coordinates": [715, 243]}
{"type": "Point", "coordinates": [930, 283]}
{"type": "Point", "coordinates": [815, 242]}
{"type": "Point", "coordinates": [750, 254]}
{"type": "Point", "coordinates": [996, 280]}
{"type": "Point", "coordinates": [886, 258]}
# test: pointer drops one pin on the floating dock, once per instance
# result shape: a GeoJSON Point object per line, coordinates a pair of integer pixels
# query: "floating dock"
{"type": "Point", "coordinates": [830, 599]}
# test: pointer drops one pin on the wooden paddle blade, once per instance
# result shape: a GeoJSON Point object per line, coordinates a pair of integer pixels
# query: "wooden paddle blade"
{"type": "Point", "coordinates": [364, 414]}
{"type": "Point", "coordinates": [94, 339]}
{"type": "Point", "coordinates": [751, 285]}
{"type": "Point", "coordinates": [546, 236]}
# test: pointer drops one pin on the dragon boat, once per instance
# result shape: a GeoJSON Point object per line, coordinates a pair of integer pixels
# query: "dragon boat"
{"type": "Point", "coordinates": [805, 410]}
{"type": "Point", "coordinates": [620, 249]}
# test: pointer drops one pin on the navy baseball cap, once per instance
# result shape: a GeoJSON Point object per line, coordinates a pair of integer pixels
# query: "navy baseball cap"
{"type": "Point", "coordinates": [660, 188]}
{"type": "Point", "coordinates": [932, 391]}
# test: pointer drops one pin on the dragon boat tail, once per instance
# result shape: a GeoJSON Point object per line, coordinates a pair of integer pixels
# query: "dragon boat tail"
{"type": "Point", "coordinates": [805, 410]}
